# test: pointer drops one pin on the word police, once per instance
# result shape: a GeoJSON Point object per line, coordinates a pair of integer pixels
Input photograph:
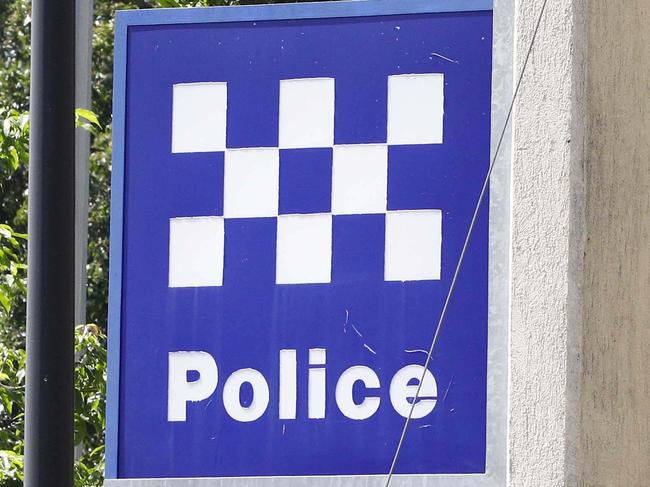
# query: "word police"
{"type": "Point", "coordinates": [403, 387]}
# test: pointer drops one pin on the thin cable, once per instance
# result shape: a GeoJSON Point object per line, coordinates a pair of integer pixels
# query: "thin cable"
{"type": "Point", "coordinates": [464, 249]}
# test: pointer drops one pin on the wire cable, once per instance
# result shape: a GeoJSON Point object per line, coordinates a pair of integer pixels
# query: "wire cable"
{"type": "Point", "coordinates": [459, 264]}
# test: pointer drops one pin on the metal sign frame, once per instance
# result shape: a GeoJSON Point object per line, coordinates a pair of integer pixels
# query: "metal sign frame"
{"type": "Point", "coordinates": [499, 227]}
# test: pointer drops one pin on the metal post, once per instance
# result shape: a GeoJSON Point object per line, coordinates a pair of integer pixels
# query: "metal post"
{"type": "Point", "coordinates": [84, 49]}
{"type": "Point", "coordinates": [50, 289]}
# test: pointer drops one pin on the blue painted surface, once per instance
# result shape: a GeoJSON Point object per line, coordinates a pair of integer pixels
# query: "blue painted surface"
{"type": "Point", "coordinates": [326, 9]}
{"type": "Point", "coordinates": [115, 270]}
{"type": "Point", "coordinates": [247, 321]}
{"type": "Point", "coordinates": [305, 180]}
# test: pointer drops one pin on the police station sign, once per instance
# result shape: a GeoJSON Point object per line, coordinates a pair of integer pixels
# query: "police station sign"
{"type": "Point", "coordinates": [292, 188]}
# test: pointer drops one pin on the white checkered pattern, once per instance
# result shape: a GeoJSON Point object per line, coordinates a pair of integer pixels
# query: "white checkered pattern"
{"type": "Point", "coordinates": [413, 238]}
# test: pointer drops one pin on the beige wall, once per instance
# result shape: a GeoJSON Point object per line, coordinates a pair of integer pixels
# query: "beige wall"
{"type": "Point", "coordinates": [615, 405]}
{"type": "Point", "coordinates": [546, 252]}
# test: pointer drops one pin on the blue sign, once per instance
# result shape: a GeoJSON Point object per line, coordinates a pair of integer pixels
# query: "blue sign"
{"type": "Point", "coordinates": [292, 188]}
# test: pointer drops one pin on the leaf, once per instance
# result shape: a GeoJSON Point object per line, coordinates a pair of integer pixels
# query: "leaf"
{"type": "Point", "coordinates": [14, 159]}
{"type": "Point", "coordinates": [4, 301]}
{"type": "Point", "coordinates": [88, 115]}
{"type": "Point", "coordinates": [23, 121]}
{"type": "Point", "coordinates": [168, 3]}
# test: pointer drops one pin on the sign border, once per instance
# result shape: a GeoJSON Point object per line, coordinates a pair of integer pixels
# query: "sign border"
{"type": "Point", "coordinates": [499, 227]}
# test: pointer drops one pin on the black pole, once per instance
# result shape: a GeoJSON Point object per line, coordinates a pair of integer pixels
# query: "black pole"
{"type": "Point", "coordinates": [49, 402]}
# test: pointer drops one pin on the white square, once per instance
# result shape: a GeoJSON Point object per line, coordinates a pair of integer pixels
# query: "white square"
{"type": "Point", "coordinates": [415, 108]}
{"type": "Point", "coordinates": [251, 182]}
{"type": "Point", "coordinates": [196, 251]}
{"type": "Point", "coordinates": [413, 245]}
{"type": "Point", "coordinates": [199, 117]}
{"type": "Point", "coordinates": [304, 249]}
{"type": "Point", "coordinates": [359, 179]}
{"type": "Point", "coordinates": [306, 113]}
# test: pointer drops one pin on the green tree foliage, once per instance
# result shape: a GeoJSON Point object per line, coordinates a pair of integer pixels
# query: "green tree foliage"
{"type": "Point", "coordinates": [13, 156]}
{"type": "Point", "coordinates": [14, 131]}
{"type": "Point", "coordinates": [90, 342]}
{"type": "Point", "coordinates": [89, 419]}
{"type": "Point", "coordinates": [90, 366]}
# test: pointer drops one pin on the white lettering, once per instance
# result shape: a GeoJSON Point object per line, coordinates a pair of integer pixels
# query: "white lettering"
{"type": "Point", "coordinates": [231, 401]}
{"type": "Point", "coordinates": [316, 388]}
{"type": "Point", "coordinates": [344, 396]}
{"type": "Point", "coordinates": [402, 394]}
{"type": "Point", "coordinates": [288, 384]}
{"type": "Point", "coordinates": [180, 391]}
{"type": "Point", "coordinates": [193, 377]}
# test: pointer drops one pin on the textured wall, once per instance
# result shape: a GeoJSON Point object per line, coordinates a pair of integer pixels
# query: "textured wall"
{"type": "Point", "coordinates": [615, 432]}
{"type": "Point", "coordinates": [547, 202]}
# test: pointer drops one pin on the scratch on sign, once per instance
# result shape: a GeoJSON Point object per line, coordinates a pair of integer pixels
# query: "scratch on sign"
{"type": "Point", "coordinates": [368, 347]}
{"type": "Point", "coordinates": [445, 58]}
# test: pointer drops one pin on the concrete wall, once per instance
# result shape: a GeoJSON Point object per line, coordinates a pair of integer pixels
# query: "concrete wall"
{"type": "Point", "coordinates": [579, 399]}
{"type": "Point", "coordinates": [547, 224]}
{"type": "Point", "coordinates": [615, 413]}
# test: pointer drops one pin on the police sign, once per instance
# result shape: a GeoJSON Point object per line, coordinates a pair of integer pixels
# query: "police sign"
{"type": "Point", "coordinates": [292, 187]}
